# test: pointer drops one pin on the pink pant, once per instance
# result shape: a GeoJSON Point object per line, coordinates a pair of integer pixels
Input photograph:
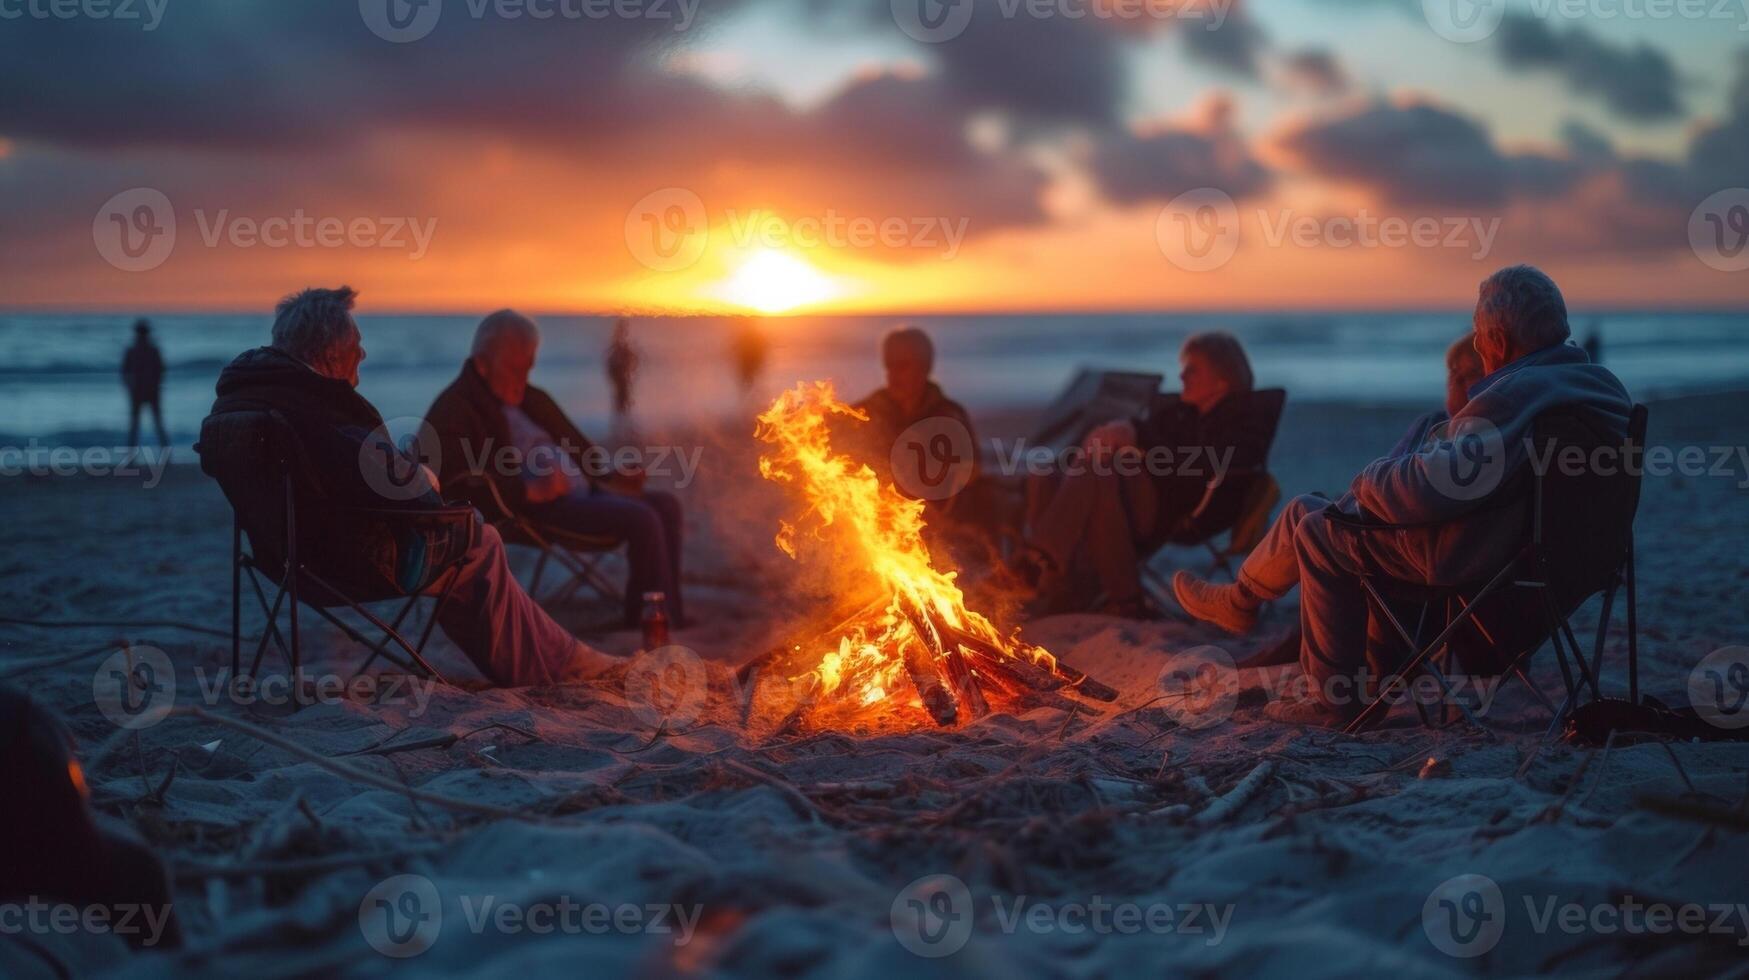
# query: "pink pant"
{"type": "Point", "coordinates": [507, 635]}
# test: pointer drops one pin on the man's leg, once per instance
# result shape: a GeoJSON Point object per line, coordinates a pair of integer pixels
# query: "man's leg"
{"type": "Point", "coordinates": [504, 632]}
{"type": "Point", "coordinates": [1336, 620]}
{"type": "Point", "coordinates": [158, 422]}
{"type": "Point", "coordinates": [1269, 572]}
{"type": "Point", "coordinates": [673, 526]}
{"type": "Point", "coordinates": [1096, 515]}
{"type": "Point", "coordinates": [630, 519]}
{"type": "Point", "coordinates": [133, 422]}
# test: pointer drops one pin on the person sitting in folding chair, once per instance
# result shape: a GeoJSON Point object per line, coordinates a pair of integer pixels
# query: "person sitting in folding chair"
{"type": "Point", "coordinates": [1445, 482]}
{"type": "Point", "coordinates": [495, 428]}
{"type": "Point", "coordinates": [1108, 513]}
{"type": "Point", "coordinates": [309, 377]}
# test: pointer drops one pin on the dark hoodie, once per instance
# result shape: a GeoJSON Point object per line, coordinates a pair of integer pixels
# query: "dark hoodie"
{"type": "Point", "coordinates": [331, 419]}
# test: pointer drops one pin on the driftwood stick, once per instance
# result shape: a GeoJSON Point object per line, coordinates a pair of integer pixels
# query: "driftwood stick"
{"type": "Point", "coordinates": [932, 688]}
{"type": "Point", "coordinates": [962, 684]}
{"type": "Point", "coordinates": [345, 770]}
{"type": "Point", "coordinates": [187, 871]}
{"type": "Point", "coordinates": [1085, 684]}
{"type": "Point", "coordinates": [1238, 796]}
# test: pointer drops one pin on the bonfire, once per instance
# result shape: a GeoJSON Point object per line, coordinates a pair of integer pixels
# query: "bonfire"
{"type": "Point", "coordinates": [914, 653]}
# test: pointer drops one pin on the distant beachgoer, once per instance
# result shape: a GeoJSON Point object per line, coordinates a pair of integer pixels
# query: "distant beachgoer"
{"type": "Point", "coordinates": [491, 405]}
{"type": "Point", "coordinates": [57, 849]}
{"type": "Point", "coordinates": [622, 368]}
{"type": "Point", "coordinates": [1530, 368]}
{"type": "Point", "coordinates": [310, 376]}
{"type": "Point", "coordinates": [142, 372]}
{"type": "Point", "coordinates": [1593, 344]}
{"type": "Point", "coordinates": [1101, 517]}
{"type": "Point", "coordinates": [750, 350]}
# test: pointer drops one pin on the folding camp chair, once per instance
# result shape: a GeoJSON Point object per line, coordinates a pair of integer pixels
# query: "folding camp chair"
{"type": "Point", "coordinates": [321, 554]}
{"type": "Point", "coordinates": [579, 554]}
{"type": "Point", "coordinates": [1578, 543]}
{"type": "Point", "coordinates": [1237, 503]}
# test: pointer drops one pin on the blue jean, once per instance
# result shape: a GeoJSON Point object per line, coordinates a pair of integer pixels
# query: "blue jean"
{"type": "Point", "coordinates": [650, 526]}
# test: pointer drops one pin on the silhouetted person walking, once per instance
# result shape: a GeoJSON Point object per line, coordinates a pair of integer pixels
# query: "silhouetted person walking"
{"type": "Point", "coordinates": [142, 370]}
{"type": "Point", "coordinates": [622, 368]}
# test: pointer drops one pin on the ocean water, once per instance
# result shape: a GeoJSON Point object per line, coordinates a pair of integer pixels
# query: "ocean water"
{"type": "Point", "coordinates": [59, 381]}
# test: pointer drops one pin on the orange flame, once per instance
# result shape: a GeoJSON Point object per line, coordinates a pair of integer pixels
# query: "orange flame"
{"type": "Point", "coordinates": [884, 528]}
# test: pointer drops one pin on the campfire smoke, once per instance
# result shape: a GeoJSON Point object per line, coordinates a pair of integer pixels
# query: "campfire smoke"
{"type": "Point", "coordinates": [914, 653]}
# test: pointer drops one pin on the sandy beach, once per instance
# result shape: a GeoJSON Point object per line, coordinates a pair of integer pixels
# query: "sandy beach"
{"type": "Point", "coordinates": [1097, 840]}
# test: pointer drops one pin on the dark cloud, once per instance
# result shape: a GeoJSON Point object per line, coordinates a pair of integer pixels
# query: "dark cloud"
{"type": "Point", "coordinates": [1314, 71]}
{"type": "Point", "coordinates": [1164, 162]}
{"type": "Point", "coordinates": [1412, 154]}
{"type": "Point", "coordinates": [1048, 69]}
{"type": "Point", "coordinates": [1638, 82]}
{"type": "Point", "coordinates": [1234, 46]}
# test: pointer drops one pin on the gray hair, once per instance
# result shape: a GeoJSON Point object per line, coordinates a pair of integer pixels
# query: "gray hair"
{"type": "Point", "coordinates": [913, 337]}
{"type": "Point", "coordinates": [502, 326]}
{"type": "Point", "coordinates": [1225, 354]}
{"type": "Point", "coordinates": [1525, 305]}
{"type": "Point", "coordinates": [312, 324]}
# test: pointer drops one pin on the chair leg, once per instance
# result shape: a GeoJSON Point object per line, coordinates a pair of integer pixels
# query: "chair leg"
{"type": "Point", "coordinates": [1633, 630]}
{"type": "Point", "coordinates": [1603, 629]}
{"type": "Point", "coordinates": [236, 597]}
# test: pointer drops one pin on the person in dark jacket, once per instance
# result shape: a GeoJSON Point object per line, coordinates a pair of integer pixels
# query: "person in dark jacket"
{"type": "Point", "coordinates": [142, 372]}
{"type": "Point", "coordinates": [310, 376]}
{"type": "Point", "coordinates": [491, 423]}
{"type": "Point", "coordinates": [1137, 480]}
{"type": "Point", "coordinates": [918, 439]}
{"type": "Point", "coordinates": [1438, 482]}
{"type": "Point", "coordinates": [60, 852]}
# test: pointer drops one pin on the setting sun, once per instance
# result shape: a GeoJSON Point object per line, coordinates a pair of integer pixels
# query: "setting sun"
{"type": "Point", "coordinates": [771, 281]}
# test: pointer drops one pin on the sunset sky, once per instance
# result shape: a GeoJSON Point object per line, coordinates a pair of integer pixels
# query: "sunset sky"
{"type": "Point", "coordinates": [796, 156]}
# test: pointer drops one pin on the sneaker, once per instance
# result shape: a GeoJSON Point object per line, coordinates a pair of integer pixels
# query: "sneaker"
{"type": "Point", "coordinates": [1222, 605]}
{"type": "Point", "coordinates": [1309, 712]}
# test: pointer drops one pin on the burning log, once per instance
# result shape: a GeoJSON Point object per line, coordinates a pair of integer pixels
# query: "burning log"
{"type": "Point", "coordinates": [932, 688]}
{"type": "Point", "coordinates": [964, 686]}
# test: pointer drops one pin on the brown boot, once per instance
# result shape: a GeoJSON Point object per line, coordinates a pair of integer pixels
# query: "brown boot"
{"type": "Point", "coordinates": [1225, 606]}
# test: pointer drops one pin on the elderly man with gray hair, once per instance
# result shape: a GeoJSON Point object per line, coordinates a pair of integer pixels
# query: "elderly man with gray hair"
{"type": "Point", "coordinates": [1529, 368]}
{"type": "Point", "coordinates": [309, 375]}
{"type": "Point", "coordinates": [492, 424]}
